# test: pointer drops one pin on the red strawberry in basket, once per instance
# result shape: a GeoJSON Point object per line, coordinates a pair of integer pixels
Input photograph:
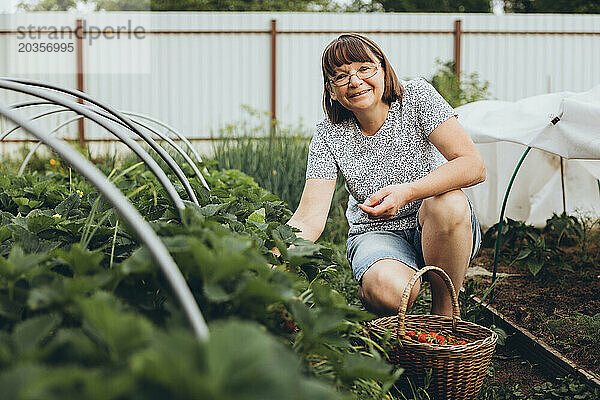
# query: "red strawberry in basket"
{"type": "Point", "coordinates": [422, 338]}
{"type": "Point", "coordinates": [440, 339]}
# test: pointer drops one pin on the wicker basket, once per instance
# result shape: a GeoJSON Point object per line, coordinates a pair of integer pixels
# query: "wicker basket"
{"type": "Point", "coordinates": [457, 371]}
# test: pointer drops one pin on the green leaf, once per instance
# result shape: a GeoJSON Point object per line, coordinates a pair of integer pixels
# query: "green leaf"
{"type": "Point", "coordinates": [69, 206]}
{"type": "Point", "coordinates": [139, 262]}
{"type": "Point", "coordinates": [215, 292]}
{"type": "Point", "coordinates": [261, 291]}
{"type": "Point", "coordinates": [258, 367]}
{"type": "Point", "coordinates": [260, 226]}
{"type": "Point", "coordinates": [523, 254]}
{"type": "Point", "coordinates": [29, 241]}
{"type": "Point", "coordinates": [258, 216]}
{"type": "Point", "coordinates": [18, 263]}
{"type": "Point", "coordinates": [34, 203]}
{"type": "Point", "coordinates": [29, 333]}
{"type": "Point", "coordinates": [42, 187]}
{"type": "Point", "coordinates": [211, 209]}
{"type": "Point", "coordinates": [302, 314]}
{"type": "Point", "coordinates": [21, 201]}
{"type": "Point", "coordinates": [74, 227]}
{"type": "Point", "coordinates": [535, 266]}
{"type": "Point", "coordinates": [121, 330]}
{"type": "Point", "coordinates": [6, 218]}
{"type": "Point", "coordinates": [18, 378]}
{"type": "Point", "coordinates": [62, 290]}
{"type": "Point", "coordinates": [304, 248]}
{"type": "Point", "coordinates": [358, 366]}
{"type": "Point", "coordinates": [47, 295]}
{"type": "Point", "coordinates": [73, 345]}
{"type": "Point", "coordinates": [39, 220]}
{"type": "Point", "coordinates": [10, 309]}
{"type": "Point", "coordinates": [565, 267]}
{"type": "Point", "coordinates": [82, 261]}
{"type": "Point", "coordinates": [75, 382]}
{"type": "Point", "coordinates": [24, 262]}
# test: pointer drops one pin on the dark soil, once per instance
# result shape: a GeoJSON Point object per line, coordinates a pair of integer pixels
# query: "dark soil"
{"type": "Point", "coordinates": [549, 305]}
{"type": "Point", "coordinates": [514, 373]}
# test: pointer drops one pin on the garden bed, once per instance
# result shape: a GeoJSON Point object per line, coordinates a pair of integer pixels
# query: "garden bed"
{"type": "Point", "coordinates": [560, 307]}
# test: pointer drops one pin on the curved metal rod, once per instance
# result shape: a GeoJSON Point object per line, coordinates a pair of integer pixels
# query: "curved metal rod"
{"type": "Point", "coordinates": [168, 140]}
{"type": "Point", "coordinates": [180, 136]}
{"type": "Point", "coordinates": [30, 103]}
{"type": "Point", "coordinates": [501, 220]}
{"type": "Point", "coordinates": [128, 212]}
{"type": "Point", "coordinates": [178, 148]}
{"type": "Point", "coordinates": [132, 144]}
{"type": "Point", "coordinates": [108, 116]}
{"type": "Point", "coordinates": [170, 129]}
{"type": "Point", "coordinates": [17, 127]}
{"type": "Point", "coordinates": [155, 146]}
{"type": "Point", "coordinates": [38, 144]}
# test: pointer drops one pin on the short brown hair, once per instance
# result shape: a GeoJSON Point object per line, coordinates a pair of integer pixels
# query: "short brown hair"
{"type": "Point", "coordinates": [346, 49]}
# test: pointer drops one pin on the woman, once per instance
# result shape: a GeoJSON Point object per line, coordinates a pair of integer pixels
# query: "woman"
{"type": "Point", "coordinates": [406, 208]}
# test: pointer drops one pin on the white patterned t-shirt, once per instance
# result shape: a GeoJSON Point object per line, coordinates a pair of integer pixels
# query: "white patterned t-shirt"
{"type": "Point", "coordinates": [399, 152]}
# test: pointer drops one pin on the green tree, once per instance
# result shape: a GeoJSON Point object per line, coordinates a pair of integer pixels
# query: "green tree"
{"type": "Point", "coordinates": [181, 5]}
{"type": "Point", "coordinates": [479, 6]}
{"type": "Point", "coordinates": [122, 5]}
{"type": "Point", "coordinates": [552, 6]}
{"type": "Point", "coordinates": [47, 5]}
{"type": "Point", "coordinates": [240, 5]}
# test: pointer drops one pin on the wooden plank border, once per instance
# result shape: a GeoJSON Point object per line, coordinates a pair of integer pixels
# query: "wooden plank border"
{"type": "Point", "coordinates": [536, 351]}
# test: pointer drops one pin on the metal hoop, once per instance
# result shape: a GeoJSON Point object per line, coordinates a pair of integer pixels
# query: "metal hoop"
{"type": "Point", "coordinates": [132, 144]}
{"type": "Point", "coordinates": [143, 230]}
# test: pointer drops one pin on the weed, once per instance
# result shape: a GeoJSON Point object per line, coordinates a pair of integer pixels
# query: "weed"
{"type": "Point", "coordinates": [565, 228]}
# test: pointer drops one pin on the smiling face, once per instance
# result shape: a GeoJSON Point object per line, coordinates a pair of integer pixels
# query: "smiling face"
{"type": "Point", "coordinates": [347, 55]}
{"type": "Point", "coordinates": [359, 95]}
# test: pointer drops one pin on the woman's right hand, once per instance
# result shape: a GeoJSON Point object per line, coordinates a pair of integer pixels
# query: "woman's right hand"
{"type": "Point", "coordinates": [386, 202]}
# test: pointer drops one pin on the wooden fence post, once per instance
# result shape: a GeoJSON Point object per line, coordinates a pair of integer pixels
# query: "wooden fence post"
{"type": "Point", "coordinates": [79, 40]}
{"type": "Point", "coordinates": [273, 69]}
{"type": "Point", "coordinates": [457, 40]}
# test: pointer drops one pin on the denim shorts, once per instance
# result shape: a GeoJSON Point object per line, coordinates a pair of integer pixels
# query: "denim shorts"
{"type": "Point", "coordinates": [364, 249]}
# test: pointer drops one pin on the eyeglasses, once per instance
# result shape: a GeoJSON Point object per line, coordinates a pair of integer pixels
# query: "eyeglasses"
{"type": "Point", "coordinates": [364, 72]}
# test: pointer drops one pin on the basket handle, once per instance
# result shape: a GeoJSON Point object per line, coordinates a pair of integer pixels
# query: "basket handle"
{"type": "Point", "coordinates": [406, 295]}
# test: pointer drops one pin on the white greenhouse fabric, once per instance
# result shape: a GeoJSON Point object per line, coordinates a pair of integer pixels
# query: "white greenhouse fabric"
{"type": "Point", "coordinates": [503, 130]}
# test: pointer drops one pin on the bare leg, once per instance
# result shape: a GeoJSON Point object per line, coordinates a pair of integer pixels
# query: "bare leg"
{"type": "Point", "coordinates": [383, 285]}
{"type": "Point", "coordinates": [447, 241]}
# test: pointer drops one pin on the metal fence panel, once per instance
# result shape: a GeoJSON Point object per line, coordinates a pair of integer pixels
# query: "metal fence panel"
{"type": "Point", "coordinates": [198, 80]}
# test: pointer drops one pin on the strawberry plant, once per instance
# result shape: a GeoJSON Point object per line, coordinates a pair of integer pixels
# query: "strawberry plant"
{"type": "Point", "coordinates": [565, 228]}
{"type": "Point", "coordinates": [535, 254]}
{"type": "Point", "coordinates": [515, 234]}
{"type": "Point", "coordinates": [84, 312]}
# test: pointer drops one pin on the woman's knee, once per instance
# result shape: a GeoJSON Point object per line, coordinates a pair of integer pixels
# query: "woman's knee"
{"type": "Point", "coordinates": [446, 210]}
{"type": "Point", "coordinates": [384, 284]}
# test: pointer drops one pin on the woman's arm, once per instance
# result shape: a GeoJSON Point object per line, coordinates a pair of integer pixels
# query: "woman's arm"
{"type": "Point", "coordinates": [464, 168]}
{"type": "Point", "coordinates": [311, 215]}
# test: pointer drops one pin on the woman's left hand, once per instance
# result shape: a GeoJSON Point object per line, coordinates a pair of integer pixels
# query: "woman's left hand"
{"type": "Point", "coordinates": [386, 202]}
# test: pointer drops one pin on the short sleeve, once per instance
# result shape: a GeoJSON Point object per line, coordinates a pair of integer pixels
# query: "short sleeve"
{"type": "Point", "coordinates": [321, 164]}
{"type": "Point", "coordinates": [432, 108]}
